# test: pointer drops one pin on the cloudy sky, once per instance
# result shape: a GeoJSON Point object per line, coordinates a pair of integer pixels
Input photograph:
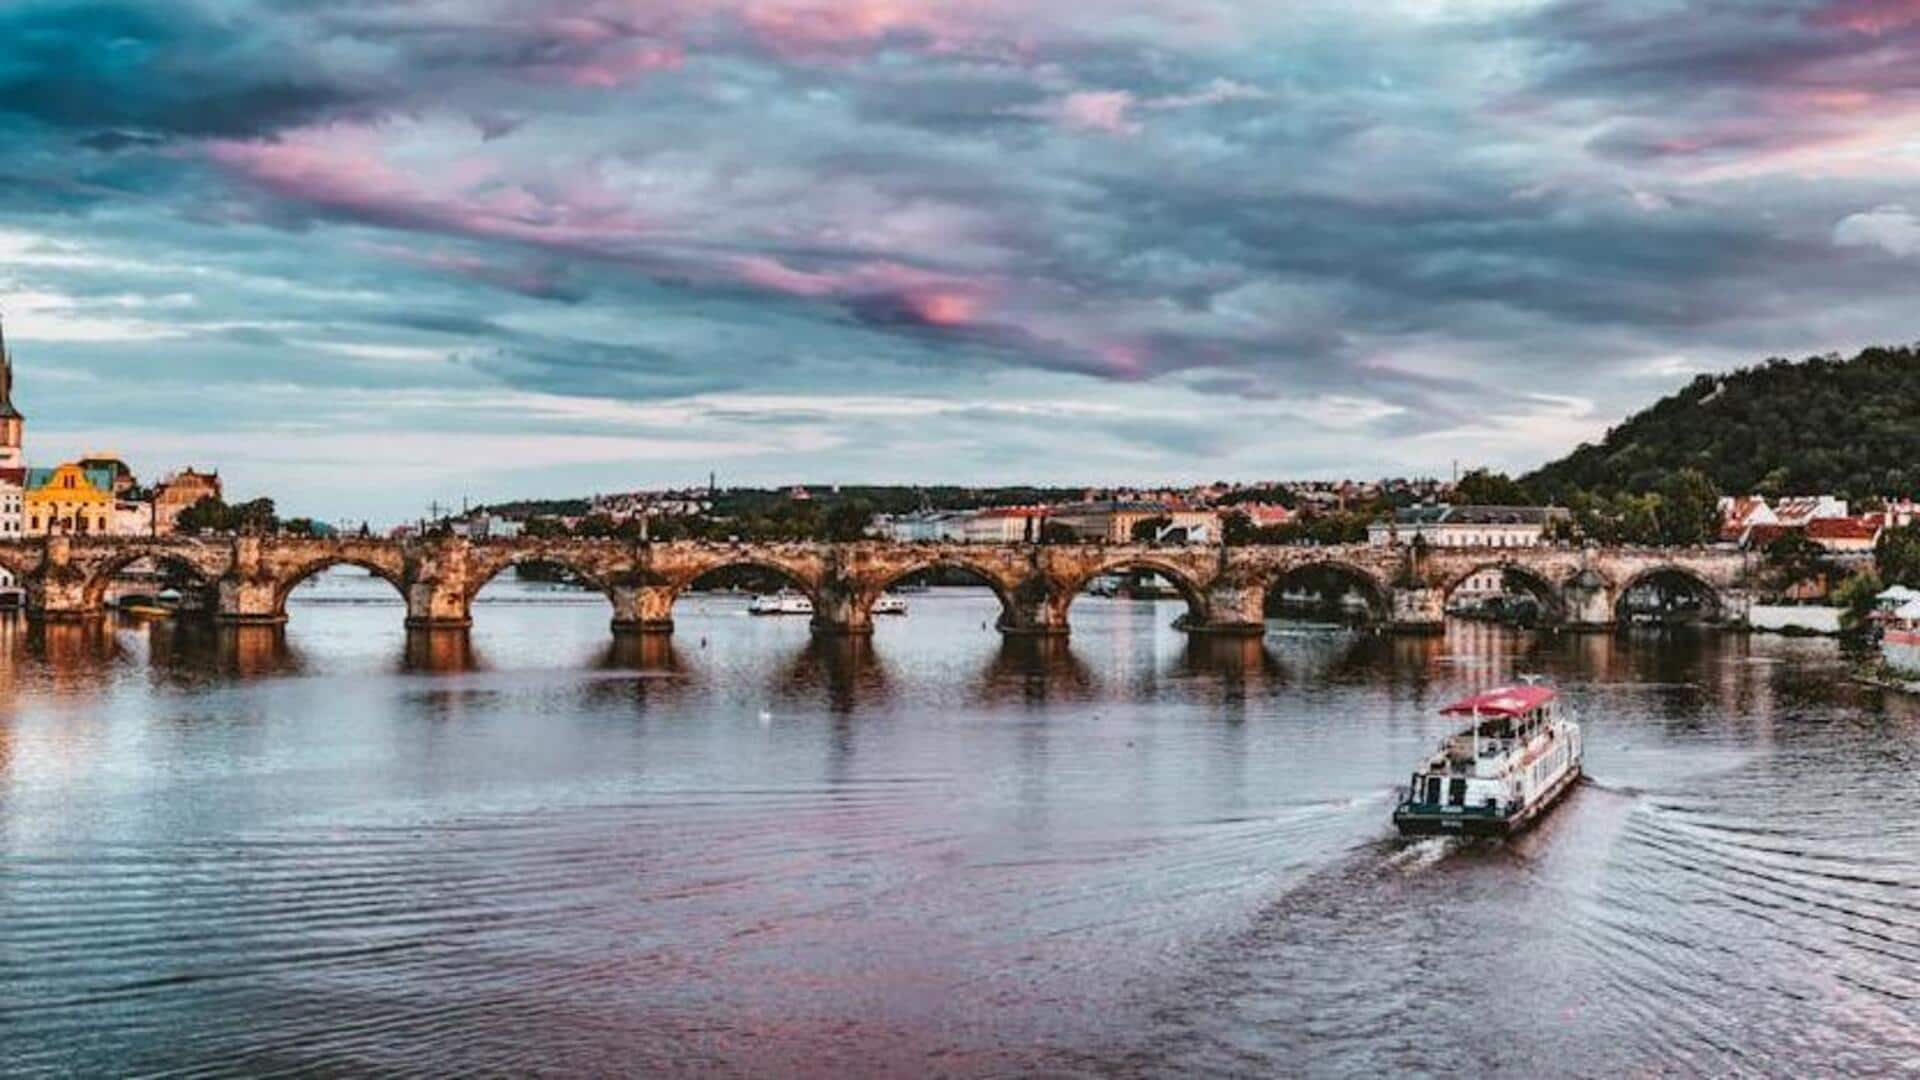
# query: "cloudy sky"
{"type": "Point", "coordinates": [367, 253]}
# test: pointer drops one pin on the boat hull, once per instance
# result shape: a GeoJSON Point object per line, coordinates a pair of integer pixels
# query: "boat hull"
{"type": "Point", "coordinates": [1412, 822]}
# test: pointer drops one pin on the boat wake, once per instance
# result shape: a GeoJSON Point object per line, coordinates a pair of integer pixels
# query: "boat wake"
{"type": "Point", "coordinates": [1419, 854]}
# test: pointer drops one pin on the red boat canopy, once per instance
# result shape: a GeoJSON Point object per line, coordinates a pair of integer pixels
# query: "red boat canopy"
{"type": "Point", "coordinates": [1503, 701]}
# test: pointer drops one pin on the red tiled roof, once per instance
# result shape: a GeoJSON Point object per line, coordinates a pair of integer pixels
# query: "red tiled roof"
{"type": "Point", "coordinates": [1265, 513]}
{"type": "Point", "coordinates": [1866, 527]}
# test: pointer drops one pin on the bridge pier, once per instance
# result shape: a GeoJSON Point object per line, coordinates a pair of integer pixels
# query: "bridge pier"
{"type": "Point", "coordinates": [841, 610]}
{"type": "Point", "coordinates": [1417, 611]}
{"type": "Point", "coordinates": [244, 600]}
{"type": "Point", "coordinates": [1233, 609]}
{"type": "Point", "coordinates": [438, 605]}
{"type": "Point", "coordinates": [59, 593]}
{"type": "Point", "coordinates": [642, 609]}
{"type": "Point", "coordinates": [1037, 608]}
{"type": "Point", "coordinates": [1589, 602]}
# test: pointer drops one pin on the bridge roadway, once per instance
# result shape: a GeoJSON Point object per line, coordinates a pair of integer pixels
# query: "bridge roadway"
{"type": "Point", "coordinates": [248, 579]}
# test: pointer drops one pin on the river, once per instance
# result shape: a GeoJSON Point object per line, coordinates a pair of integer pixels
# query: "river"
{"type": "Point", "coordinates": [539, 849]}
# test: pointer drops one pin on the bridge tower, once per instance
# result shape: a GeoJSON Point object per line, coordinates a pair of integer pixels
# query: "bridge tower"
{"type": "Point", "coordinates": [12, 425]}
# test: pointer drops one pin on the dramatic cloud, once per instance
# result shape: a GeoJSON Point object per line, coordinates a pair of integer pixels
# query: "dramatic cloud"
{"type": "Point", "coordinates": [1894, 229]}
{"type": "Point", "coordinates": [575, 244]}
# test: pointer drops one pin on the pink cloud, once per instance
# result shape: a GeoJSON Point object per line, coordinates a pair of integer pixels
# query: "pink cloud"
{"type": "Point", "coordinates": [349, 170]}
{"type": "Point", "coordinates": [1099, 110]}
{"type": "Point", "coordinates": [1870, 16]}
{"type": "Point", "coordinates": [933, 298]}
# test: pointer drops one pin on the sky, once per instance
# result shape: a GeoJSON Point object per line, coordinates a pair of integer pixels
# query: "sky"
{"type": "Point", "coordinates": [364, 254]}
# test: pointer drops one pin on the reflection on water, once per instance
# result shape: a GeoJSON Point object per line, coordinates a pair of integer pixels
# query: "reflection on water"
{"type": "Point", "coordinates": [342, 847]}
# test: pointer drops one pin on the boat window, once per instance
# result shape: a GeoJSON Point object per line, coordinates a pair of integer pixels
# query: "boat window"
{"type": "Point", "coordinates": [1433, 789]}
{"type": "Point", "coordinates": [1457, 792]}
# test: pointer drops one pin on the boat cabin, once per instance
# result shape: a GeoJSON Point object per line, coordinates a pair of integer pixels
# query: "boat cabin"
{"type": "Point", "coordinates": [1470, 768]}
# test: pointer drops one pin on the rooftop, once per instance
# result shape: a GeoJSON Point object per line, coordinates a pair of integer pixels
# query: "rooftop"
{"type": "Point", "coordinates": [1502, 701]}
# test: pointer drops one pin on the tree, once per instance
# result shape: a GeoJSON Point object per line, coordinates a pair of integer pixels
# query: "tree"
{"type": "Point", "coordinates": [1856, 597]}
{"type": "Point", "coordinates": [1146, 530]}
{"type": "Point", "coordinates": [1795, 558]}
{"type": "Point", "coordinates": [1689, 508]}
{"type": "Point", "coordinates": [1480, 487]}
{"type": "Point", "coordinates": [1056, 532]}
{"type": "Point", "coordinates": [1897, 554]}
{"type": "Point", "coordinates": [211, 515]}
{"type": "Point", "coordinates": [849, 520]}
{"type": "Point", "coordinates": [1238, 530]}
{"type": "Point", "coordinates": [1823, 425]}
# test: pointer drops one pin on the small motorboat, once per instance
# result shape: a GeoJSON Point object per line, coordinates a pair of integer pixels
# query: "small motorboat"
{"type": "Point", "coordinates": [889, 604]}
{"type": "Point", "coordinates": [1517, 757]}
{"type": "Point", "coordinates": [780, 603]}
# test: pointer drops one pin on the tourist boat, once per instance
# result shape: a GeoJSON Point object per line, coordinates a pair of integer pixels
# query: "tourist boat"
{"type": "Point", "coordinates": [889, 604]}
{"type": "Point", "coordinates": [1519, 754]}
{"type": "Point", "coordinates": [780, 603]}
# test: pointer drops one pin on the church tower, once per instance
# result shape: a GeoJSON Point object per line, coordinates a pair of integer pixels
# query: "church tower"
{"type": "Point", "coordinates": [12, 424]}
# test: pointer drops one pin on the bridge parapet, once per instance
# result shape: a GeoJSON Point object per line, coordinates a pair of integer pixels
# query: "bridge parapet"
{"type": "Point", "coordinates": [249, 579]}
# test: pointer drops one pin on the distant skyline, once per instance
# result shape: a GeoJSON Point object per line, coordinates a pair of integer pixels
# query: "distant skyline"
{"type": "Point", "coordinates": [363, 254]}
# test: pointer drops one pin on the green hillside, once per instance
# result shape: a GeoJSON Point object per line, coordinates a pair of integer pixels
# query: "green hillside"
{"type": "Point", "coordinates": [1850, 427]}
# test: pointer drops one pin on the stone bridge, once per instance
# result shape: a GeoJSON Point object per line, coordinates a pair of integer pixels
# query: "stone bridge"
{"type": "Point", "coordinates": [249, 579]}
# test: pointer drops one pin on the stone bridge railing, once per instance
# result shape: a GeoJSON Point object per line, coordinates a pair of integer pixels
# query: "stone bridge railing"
{"type": "Point", "coordinates": [248, 579]}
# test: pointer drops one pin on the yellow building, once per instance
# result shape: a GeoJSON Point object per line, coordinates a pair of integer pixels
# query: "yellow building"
{"type": "Point", "coordinates": [69, 501]}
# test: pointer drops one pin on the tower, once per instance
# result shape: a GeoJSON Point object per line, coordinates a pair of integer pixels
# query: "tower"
{"type": "Point", "coordinates": [12, 424]}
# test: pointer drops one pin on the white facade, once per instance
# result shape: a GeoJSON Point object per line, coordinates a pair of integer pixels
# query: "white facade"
{"type": "Point", "coordinates": [12, 518]}
{"type": "Point", "coordinates": [132, 518]}
{"type": "Point", "coordinates": [923, 528]}
{"type": "Point", "coordinates": [1000, 527]}
{"type": "Point", "coordinates": [1467, 526]}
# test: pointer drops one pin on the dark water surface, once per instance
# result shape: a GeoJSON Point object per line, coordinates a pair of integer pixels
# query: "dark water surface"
{"type": "Point", "coordinates": [543, 850]}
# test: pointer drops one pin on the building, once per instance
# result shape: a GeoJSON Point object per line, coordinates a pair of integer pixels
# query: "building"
{"type": "Point", "coordinates": [1480, 587]}
{"type": "Point", "coordinates": [178, 492]}
{"type": "Point", "coordinates": [69, 501]}
{"type": "Point", "coordinates": [13, 426]}
{"type": "Point", "coordinates": [1468, 526]}
{"type": "Point", "coordinates": [1738, 513]}
{"type": "Point", "coordinates": [925, 527]}
{"type": "Point", "coordinates": [485, 527]}
{"type": "Point", "coordinates": [124, 482]}
{"type": "Point", "coordinates": [1262, 515]}
{"type": "Point", "coordinates": [1753, 523]}
{"type": "Point", "coordinates": [131, 517]}
{"type": "Point", "coordinates": [1003, 525]}
{"type": "Point", "coordinates": [1846, 535]}
{"type": "Point", "coordinates": [1112, 520]}
{"type": "Point", "coordinates": [1797, 510]}
{"type": "Point", "coordinates": [13, 491]}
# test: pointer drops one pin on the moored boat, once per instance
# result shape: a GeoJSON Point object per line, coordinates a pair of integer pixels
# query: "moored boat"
{"type": "Point", "coordinates": [889, 604]}
{"type": "Point", "coordinates": [1518, 755]}
{"type": "Point", "coordinates": [780, 603]}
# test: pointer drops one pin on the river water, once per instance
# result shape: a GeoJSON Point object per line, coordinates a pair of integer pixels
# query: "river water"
{"type": "Point", "coordinates": [539, 849]}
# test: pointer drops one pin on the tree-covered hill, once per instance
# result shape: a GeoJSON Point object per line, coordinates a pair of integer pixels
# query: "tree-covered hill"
{"type": "Point", "coordinates": [1850, 427]}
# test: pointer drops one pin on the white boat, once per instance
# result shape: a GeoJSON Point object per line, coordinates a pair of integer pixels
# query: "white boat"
{"type": "Point", "coordinates": [780, 603]}
{"type": "Point", "coordinates": [889, 604]}
{"type": "Point", "coordinates": [1520, 753]}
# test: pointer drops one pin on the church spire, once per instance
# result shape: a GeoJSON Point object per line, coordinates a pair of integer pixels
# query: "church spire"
{"type": "Point", "coordinates": [7, 411]}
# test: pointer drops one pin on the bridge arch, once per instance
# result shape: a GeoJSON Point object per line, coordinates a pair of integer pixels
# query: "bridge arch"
{"type": "Point", "coordinates": [205, 566]}
{"type": "Point", "coordinates": [1374, 592]}
{"type": "Point", "coordinates": [292, 578]}
{"type": "Point", "coordinates": [1712, 605]}
{"type": "Point", "coordinates": [793, 576]}
{"type": "Point", "coordinates": [1190, 590]}
{"type": "Point", "coordinates": [1550, 594]}
{"type": "Point", "coordinates": [1003, 590]}
{"type": "Point", "coordinates": [598, 577]}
